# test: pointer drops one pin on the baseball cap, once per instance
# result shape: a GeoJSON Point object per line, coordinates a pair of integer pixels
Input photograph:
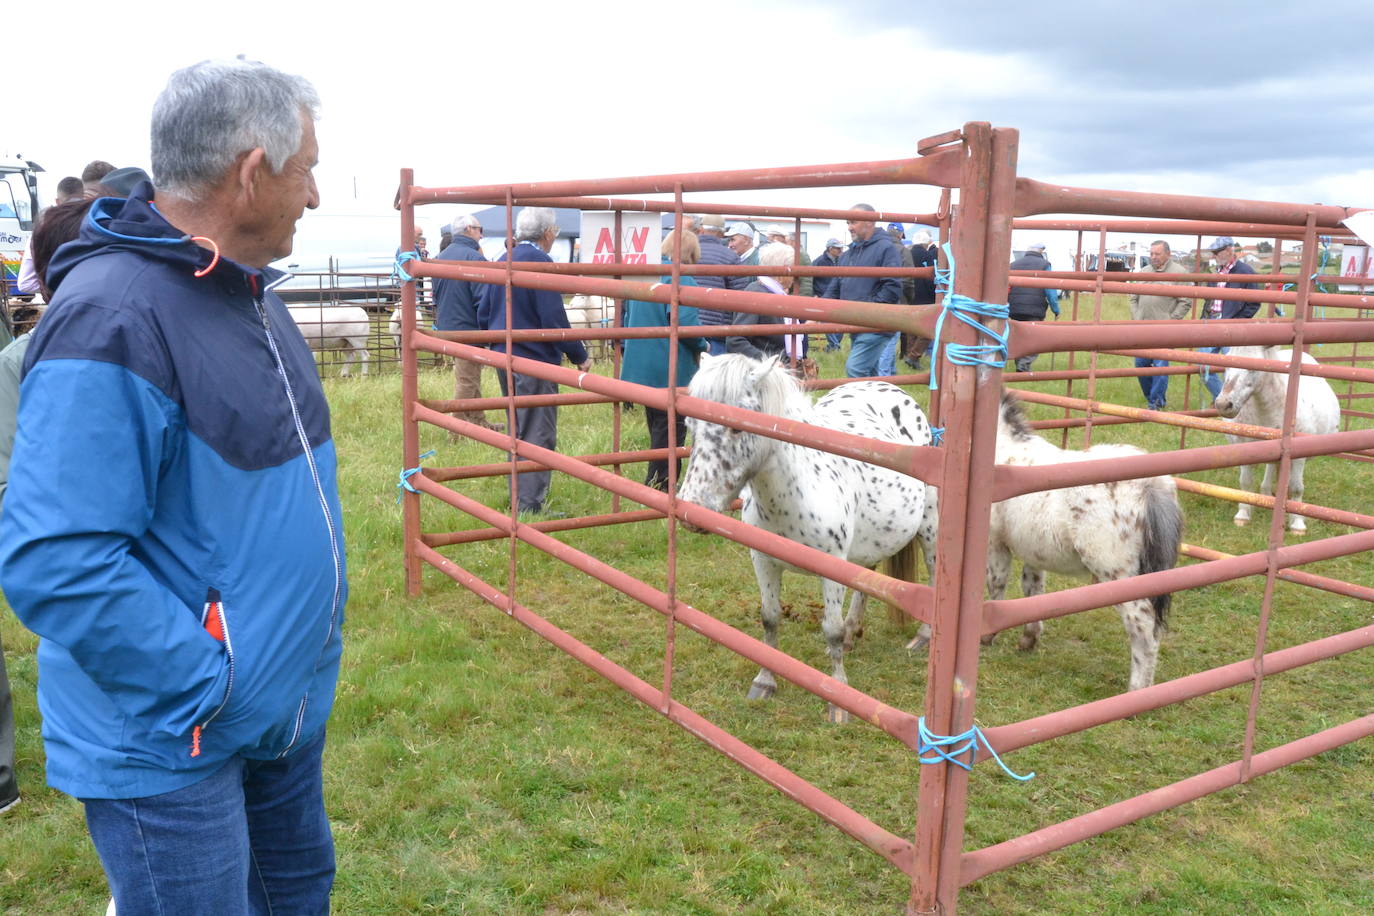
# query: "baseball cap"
{"type": "Point", "coordinates": [897, 226]}
{"type": "Point", "coordinates": [833, 243]}
{"type": "Point", "coordinates": [1224, 242]}
{"type": "Point", "coordinates": [713, 222]}
{"type": "Point", "coordinates": [739, 229]}
{"type": "Point", "coordinates": [1036, 247]}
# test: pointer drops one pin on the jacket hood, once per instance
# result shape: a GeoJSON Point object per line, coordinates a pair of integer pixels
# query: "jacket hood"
{"type": "Point", "coordinates": [114, 224]}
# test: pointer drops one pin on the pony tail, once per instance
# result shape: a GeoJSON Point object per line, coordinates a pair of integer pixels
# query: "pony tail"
{"type": "Point", "coordinates": [1162, 537]}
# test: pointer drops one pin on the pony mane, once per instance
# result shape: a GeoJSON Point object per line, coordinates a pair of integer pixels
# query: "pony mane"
{"type": "Point", "coordinates": [726, 378]}
{"type": "Point", "coordinates": [1014, 417]}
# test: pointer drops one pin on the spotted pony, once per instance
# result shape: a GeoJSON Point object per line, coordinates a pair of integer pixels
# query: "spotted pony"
{"type": "Point", "coordinates": [1105, 531]}
{"type": "Point", "coordinates": [847, 508]}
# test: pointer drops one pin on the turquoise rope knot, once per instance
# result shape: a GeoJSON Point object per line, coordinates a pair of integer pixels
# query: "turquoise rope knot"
{"type": "Point", "coordinates": [404, 482]}
{"type": "Point", "coordinates": [959, 745]}
{"type": "Point", "coordinates": [968, 311]}
{"type": "Point", "coordinates": [398, 270]}
{"type": "Point", "coordinates": [937, 435]}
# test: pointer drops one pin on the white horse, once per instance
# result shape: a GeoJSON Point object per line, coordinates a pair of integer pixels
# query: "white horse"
{"type": "Point", "coordinates": [590, 311]}
{"type": "Point", "coordinates": [335, 327]}
{"type": "Point", "coordinates": [847, 508]}
{"type": "Point", "coordinates": [1105, 531]}
{"type": "Point", "coordinates": [1256, 397]}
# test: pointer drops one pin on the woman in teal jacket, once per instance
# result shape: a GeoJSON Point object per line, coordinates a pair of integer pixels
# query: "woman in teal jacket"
{"type": "Point", "coordinates": [646, 360]}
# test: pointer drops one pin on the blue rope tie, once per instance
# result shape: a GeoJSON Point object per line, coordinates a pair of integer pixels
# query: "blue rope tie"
{"type": "Point", "coordinates": [937, 435]}
{"type": "Point", "coordinates": [404, 482]}
{"type": "Point", "coordinates": [967, 743]}
{"type": "Point", "coordinates": [398, 270]}
{"type": "Point", "coordinates": [992, 355]}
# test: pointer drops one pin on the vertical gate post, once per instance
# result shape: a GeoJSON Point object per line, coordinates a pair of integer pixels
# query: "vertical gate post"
{"type": "Point", "coordinates": [410, 441]}
{"type": "Point", "coordinates": [970, 404]}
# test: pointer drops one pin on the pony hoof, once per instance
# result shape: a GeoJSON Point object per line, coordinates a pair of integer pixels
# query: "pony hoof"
{"type": "Point", "coordinates": [1241, 522]}
{"type": "Point", "coordinates": [1027, 643]}
{"type": "Point", "coordinates": [836, 716]}
{"type": "Point", "coordinates": [761, 691]}
{"type": "Point", "coordinates": [918, 644]}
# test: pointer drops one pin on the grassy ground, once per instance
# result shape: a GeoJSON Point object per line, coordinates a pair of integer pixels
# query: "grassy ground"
{"type": "Point", "coordinates": [473, 769]}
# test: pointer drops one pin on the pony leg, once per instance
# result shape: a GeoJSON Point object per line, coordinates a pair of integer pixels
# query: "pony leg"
{"type": "Point", "coordinates": [1296, 523]}
{"type": "Point", "coordinates": [1247, 483]}
{"type": "Point", "coordinates": [769, 576]}
{"type": "Point", "coordinates": [926, 535]}
{"type": "Point", "coordinates": [854, 620]}
{"type": "Point", "coordinates": [999, 570]}
{"type": "Point", "coordinates": [1032, 583]}
{"type": "Point", "coordinates": [1143, 631]}
{"type": "Point", "coordinates": [834, 625]}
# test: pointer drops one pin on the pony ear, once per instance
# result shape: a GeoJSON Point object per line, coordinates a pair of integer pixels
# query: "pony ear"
{"type": "Point", "coordinates": [766, 366]}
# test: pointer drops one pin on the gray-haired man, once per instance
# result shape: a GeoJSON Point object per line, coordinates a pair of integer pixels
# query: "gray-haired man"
{"type": "Point", "coordinates": [172, 528]}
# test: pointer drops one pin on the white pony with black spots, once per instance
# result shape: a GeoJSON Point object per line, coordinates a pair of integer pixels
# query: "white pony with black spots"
{"type": "Point", "coordinates": [847, 508]}
{"type": "Point", "coordinates": [1256, 397]}
{"type": "Point", "coordinates": [1103, 531]}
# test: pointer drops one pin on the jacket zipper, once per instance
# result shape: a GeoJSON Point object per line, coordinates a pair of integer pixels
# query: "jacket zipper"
{"type": "Point", "coordinates": [215, 622]}
{"type": "Point", "coordinates": [319, 492]}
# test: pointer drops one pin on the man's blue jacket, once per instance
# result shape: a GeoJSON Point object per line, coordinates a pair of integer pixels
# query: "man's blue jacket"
{"type": "Point", "coordinates": [530, 308]}
{"type": "Point", "coordinates": [455, 301]}
{"type": "Point", "coordinates": [172, 529]}
{"type": "Point", "coordinates": [877, 251]}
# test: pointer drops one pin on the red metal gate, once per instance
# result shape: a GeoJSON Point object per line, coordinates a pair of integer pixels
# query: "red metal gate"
{"type": "Point", "coordinates": [980, 163]}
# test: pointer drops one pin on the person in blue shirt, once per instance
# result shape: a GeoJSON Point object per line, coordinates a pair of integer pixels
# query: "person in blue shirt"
{"type": "Point", "coordinates": [172, 527]}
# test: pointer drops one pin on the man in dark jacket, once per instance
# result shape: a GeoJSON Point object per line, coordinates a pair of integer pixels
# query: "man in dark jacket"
{"type": "Point", "coordinates": [172, 529]}
{"type": "Point", "coordinates": [1028, 303]}
{"type": "Point", "coordinates": [455, 309]}
{"type": "Point", "coordinates": [536, 229]}
{"type": "Point", "coordinates": [1224, 252]}
{"type": "Point", "coordinates": [924, 253]}
{"type": "Point", "coordinates": [870, 248]}
{"type": "Point", "coordinates": [823, 285]}
{"type": "Point", "coordinates": [715, 252]}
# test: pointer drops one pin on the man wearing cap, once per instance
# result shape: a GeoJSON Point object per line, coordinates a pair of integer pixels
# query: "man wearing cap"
{"type": "Point", "coordinates": [823, 285]}
{"type": "Point", "coordinates": [1224, 253]}
{"type": "Point", "coordinates": [740, 238]}
{"type": "Point", "coordinates": [715, 252]}
{"type": "Point", "coordinates": [870, 248]}
{"type": "Point", "coordinates": [1158, 308]}
{"type": "Point", "coordinates": [1028, 303]}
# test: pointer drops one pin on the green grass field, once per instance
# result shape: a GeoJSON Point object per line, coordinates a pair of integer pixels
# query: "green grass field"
{"type": "Point", "coordinates": [474, 769]}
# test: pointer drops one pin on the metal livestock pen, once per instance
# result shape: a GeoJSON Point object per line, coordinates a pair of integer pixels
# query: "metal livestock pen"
{"type": "Point", "coordinates": [979, 163]}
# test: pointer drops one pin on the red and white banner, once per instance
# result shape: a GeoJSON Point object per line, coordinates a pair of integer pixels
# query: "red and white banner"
{"type": "Point", "coordinates": [641, 235]}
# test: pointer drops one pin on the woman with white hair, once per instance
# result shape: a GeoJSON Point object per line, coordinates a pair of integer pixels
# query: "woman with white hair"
{"type": "Point", "coordinates": [646, 359]}
{"type": "Point", "coordinates": [792, 347]}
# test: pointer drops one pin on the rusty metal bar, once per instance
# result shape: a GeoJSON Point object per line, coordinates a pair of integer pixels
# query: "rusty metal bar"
{"type": "Point", "coordinates": [1013, 612]}
{"type": "Point", "coordinates": [941, 168]}
{"type": "Point", "coordinates": [895, 722]}
{"type": "Point", "coordinates": [1016, 735]}
{"type": "Point", "coordinates": [985, 861]}
{"type": "Point", "coordinates": [1308, 510]}
{"type": "Point", "coordinates": [893, 848]}
{"type": "Point", "coordinates": [410, 432]}
{"type": "Point", "coordinates": [1296, 576]}
{"type": "Point", "coordinates": [912, 597]}
{"type": "Point", "coordinates": [1178, 227]}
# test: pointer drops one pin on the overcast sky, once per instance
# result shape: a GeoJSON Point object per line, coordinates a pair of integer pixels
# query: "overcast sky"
{"type": "Point", "coordinates": [1262, 100]}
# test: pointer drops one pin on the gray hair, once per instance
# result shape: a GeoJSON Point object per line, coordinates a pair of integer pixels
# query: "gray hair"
{"type": "Point", "coordinates": [1167, 249]}
{"type": "Point", "coordinates": [213, 111]}
{"type": "Point", "coordinates": [464, 223]}
{"type": "Point", "coordinates": [776, 254]}
{"type": "Point", "coordinates": [532, 222]}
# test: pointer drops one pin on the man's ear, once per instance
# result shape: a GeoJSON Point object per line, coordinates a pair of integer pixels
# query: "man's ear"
{"type": "Point", "coordinates": [251, 170]}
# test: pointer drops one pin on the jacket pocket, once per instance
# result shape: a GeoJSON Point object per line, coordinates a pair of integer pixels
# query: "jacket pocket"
{"type": "Point", "coordinates": [216, 622]}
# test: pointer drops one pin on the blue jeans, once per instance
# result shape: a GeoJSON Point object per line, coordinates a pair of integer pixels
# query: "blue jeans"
{"type": "Point", "coordinates": [865, 351]}
{"type": "Point", "coordinates": [1212, 379]}
{"type": "Point", "coordinates": [833, 341]}
{"type": "Point", "coordinates": [715, 346]}
{"type": "Point", "coordinates": [887, 363]}
{"type": "Point", "coordinates": [251, 839]}
{"type": "Point", "coordinates": [1154, 387]}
